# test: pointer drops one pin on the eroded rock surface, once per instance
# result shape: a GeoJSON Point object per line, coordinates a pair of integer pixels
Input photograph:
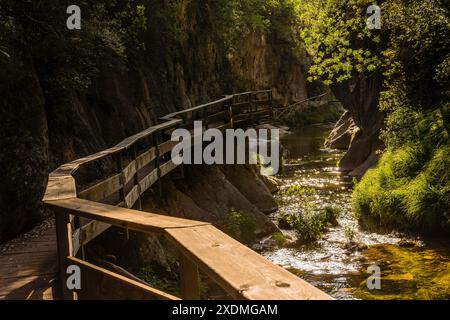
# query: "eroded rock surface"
{"type": "Point", "coordinates": [360, 96]}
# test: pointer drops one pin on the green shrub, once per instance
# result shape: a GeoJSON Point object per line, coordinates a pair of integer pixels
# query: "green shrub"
{"type": "Point", "coordinates": [349, 234]}
{"type": "Point", "coordinates": [311, 225]}
{"type": "Point", "coordinates": [240, 226]}
{"type": "Point", "coordinates": [296, 190]}
{"type": "Point", "coordinates": [279, 238]}
{"type": "Point", "coordinates": [331, 214]}
{"type": "Point", "coordinates": [157, 277]}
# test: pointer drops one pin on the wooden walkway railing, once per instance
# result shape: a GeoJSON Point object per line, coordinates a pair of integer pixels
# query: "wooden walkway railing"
{"type": "Point", "coordinates": [289, 111]}
{"type": "Point", "coordinates": [85, 209]}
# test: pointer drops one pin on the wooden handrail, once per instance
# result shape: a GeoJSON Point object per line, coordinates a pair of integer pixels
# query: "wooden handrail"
{"type": "Point", "coordinates": [201, 244]}
{"type": "Point", "coordinates": [295, 104]}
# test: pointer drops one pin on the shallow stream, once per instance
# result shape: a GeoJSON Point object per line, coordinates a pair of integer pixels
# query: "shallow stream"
{"type": "Point", "coordinates": [338, 262]}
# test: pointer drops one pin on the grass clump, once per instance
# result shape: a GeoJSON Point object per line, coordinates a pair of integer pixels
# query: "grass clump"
{"type": "Point", "coordinates": [406, 191]}
{"type": "Point", "coordinates": [240, 226]}
{"type": "Point", "coordinates": [280, 238]}
{"type": "Point", "coordinates": [298, 192]}
{"type": "Point", "coordinates": [311, 225]}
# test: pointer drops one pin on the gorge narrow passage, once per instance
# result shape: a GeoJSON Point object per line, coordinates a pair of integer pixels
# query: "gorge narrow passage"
{"type": "Point", "coordinates": [337, 263]}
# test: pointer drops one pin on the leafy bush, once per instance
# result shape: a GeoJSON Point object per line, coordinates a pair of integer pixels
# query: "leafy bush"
{"type": "Point", "coordinates": [279, 238]}
{"type": "Point", "coordinates": [311, 225]}
{"type": "Point", "coordinates": [240, 226]}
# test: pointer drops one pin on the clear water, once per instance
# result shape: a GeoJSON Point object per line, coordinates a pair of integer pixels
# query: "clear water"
{"type": "Point", "coordinates": [419, 270]}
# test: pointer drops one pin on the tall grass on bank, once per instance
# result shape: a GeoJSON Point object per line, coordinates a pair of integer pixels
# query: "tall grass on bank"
{"type": "Point", "coordinates": [409, 190]}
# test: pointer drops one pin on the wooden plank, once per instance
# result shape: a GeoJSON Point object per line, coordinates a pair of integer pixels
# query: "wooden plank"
{"type": "Point", "coordinates": [148, 180]}
{"type": "Point", "coordinates": [61, 184]}
{"type": "Point", "coordinates": [167, 167]}
{"type": "Point", "coordinates": [28, 264]}
{"type": "Point", "coordinates": [92, 230]}
{"type": "Point", "coordinates": [166, 147]}
{"type": "Point", "coordinates": [28, 270]}
{"type": "Point", "coordinates": [190, 282]}
{"type": "Point", "coordinates": [241, 104]}
{"type": "Point", "coordinates": [76, 241]}
{"type": "Point", "coordinates": [44, 243]}
{"type": "Point", "coordinates": [41, 287]}
{"type": "Point", "coordinates": [60, 187]}
{"type": "Point", "coordinates": [145, 158]}
{"type": "Point", "coordinates": [219, 116]}
{"type": "Point", "coordinates": [243, 273]}
{"type": "Point", "coordinates": [99, 283]}
{"type": "Point", "coordinates": [64, 241]}
{"type": "Point", "coordinates": [132, 197]}
{"type": "Point", "coordinates": [128, 172]}
{"type": "Point", "coordinates": [121, 217]}
{"type": "Point", "coordinates": [103, 189]}
{"type": "Point", "coordinates": [260, 103]}
{"type": "Point", "coordinates": [196, 108]}
{"type": "Point", "coordinates": [224, 127]}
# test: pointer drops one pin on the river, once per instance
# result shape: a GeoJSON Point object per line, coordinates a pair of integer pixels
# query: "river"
{"type": "Point", "coordinates": [411, 268]}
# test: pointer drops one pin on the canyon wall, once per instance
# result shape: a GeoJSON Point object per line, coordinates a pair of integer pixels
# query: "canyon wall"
{"type": "Point", "coordinates": [43, 125]}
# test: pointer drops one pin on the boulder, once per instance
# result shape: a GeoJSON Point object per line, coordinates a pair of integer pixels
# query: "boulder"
{"type": "Point", "coordinates": [248, 181]}
{"type": "Point", "coordinates": [206, 194]}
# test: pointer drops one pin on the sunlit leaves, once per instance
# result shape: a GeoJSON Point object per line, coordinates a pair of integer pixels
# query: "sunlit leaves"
{"type": "Point", "coordinates": [336, 36]}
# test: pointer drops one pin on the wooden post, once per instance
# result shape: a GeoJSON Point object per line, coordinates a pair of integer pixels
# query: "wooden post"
{"type": "Point", "coordinates": [251, 99]}
{"type": "Point", "coordinates": [136, 179]}
{"type": "Point", "coordinates": [229, 105]}
{"type": "Point", "coordinates": [190, 284]}
{"type": "Point", "coordinates": [205, 117]}
{"type": "Point", "coordinates": [156, 141]}
{"type": "Point", "coordinates": [119, 170]}
{"type": "Point", "coordinates": [271, 104]}
{"type": "Point", "coordinates": [65, 249]}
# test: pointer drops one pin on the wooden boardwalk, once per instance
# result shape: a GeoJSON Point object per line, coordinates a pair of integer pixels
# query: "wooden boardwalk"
{"type": "Point", "coordinates": [28, 271]}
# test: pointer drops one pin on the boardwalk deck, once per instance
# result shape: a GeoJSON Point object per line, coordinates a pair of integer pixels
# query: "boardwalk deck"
{"type": "Point", "coordinates": [28, 270]}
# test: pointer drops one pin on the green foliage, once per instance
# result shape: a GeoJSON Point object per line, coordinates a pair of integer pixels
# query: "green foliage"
{"type": "Point", "coordinates": [349, 234]}
{"type": "Point", "coordinates": [407, 191]}
{"type": "Point", "coordinates": [338, 40]}
{"type": "Point", "coordinates": [240, 226]}
{"type": "Point", "coordinates": [419, 50]}
{"type": "Point", "coordinates": [296, 190]}
{"type": "Point", "coordinates": [279, 238]}
{"type": "Point", "coordinates": [157, 278]}
{"type": "Point", "coordinates": [68, 59]}
{"type": "Point", "coordinates": [331, 214]}
{"type": "Point", "coordinates": [311, 225]}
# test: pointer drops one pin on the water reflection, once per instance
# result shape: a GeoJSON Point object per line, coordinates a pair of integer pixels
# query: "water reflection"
{"type": "Point", "coordinates": [337, 265]}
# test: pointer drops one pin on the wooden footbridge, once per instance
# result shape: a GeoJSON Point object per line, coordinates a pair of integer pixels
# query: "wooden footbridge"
{"type": "Point", "coordinates": [85, 208]}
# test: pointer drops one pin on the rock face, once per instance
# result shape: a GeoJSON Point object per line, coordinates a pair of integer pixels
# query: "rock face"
{"type": "Point", "coordinates": [44, 125]}
{"type": "Point", "coordinates": [360, 96]}
{"type": "Point", "coordinates": [23, 143]}
{"type": "Point", "coordinates": [209, 193]}
{"type": "Point", "coordinates": [263, 61]}
{"type": "Point", "coordinates": [249, 183]}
